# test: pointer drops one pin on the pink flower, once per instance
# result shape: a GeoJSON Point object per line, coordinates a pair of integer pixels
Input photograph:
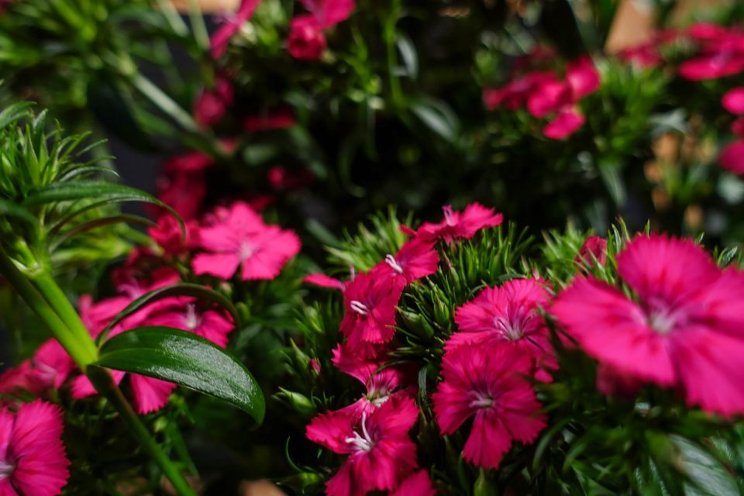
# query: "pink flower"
{"type": "Point", "coordinates": [381, 383]}
{"type": "Point", "coordinates": [737, 127]}
{"type": "Point", "coordinates": [515, 94]}
{"type": "Point", "coordinates": [485, 382]}
{"type": "Point", "coordinates": [380, 452]}
{"type": "Point", "coordinates": [415, 260]}
{"type": "Point", "coordinates": [460, 224]}
{"type": "Point", "coordinates": [328, 13]}
{"type": "Point", "coordinates": [182, 184]}
{"type": "Point", "coordinates": [32, 456]}
{"type": "Point", "coordinates": [280, 118]}
{"type": "Point", "coordinates": [221, 39]}
{"type": "Point", "coordinates": [306, 40]}
{"type": "Point", "coordinates": [281, 179]}
{"type": "Point", "coordinates": [722, 53]}
{"type": "Point", "coordinates": [370, 304]}
{"type": "Point", "coordinates": [184, 314]}
{"type": "Point", "coordinates": [167, 234]}
{"type": "Point", "coordinates": [241, 241]}
{"type": "Point", "coordinates": [212, 103]}
{"type": "Point", "coordinates": [48, 369]}
{"type": "Point", "coordinates": [549, 98]}
{"type": "Point", "coordinates": [732, 157]}
{"type": "Point", "coordinates": [684, 329]}
{"type": "Point", "coordinates": [418, 484]}
{"type": "Point", "coordinates": [645, 55]}
{"type": "Point", "coordinates": [582, 77]}
{"type": "Point", "coordinates": [509, 315]}
{"type": "Point", "coordinates": [324, 281]}
{"type": "Point", "coordinates": [733, 101]}
{"type": "Point", "coordinates": [594, 250]}
{"type": "Point", "coordinates": [563, 125]}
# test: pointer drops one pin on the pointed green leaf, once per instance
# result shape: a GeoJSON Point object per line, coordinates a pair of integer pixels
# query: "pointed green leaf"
{"type": "Point", "coordinates": [14, 210]}
{"type": "Point", "coordinates": [102, 222]}
{"type": "Point", "coordinates": [185, 359]}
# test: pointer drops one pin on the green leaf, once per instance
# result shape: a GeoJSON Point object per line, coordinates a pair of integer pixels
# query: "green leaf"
{"type": "Point", "coordinates": [182, 289]}
{"type": "Point", "coordinates": [13, 113]}
{"type": "Point", "coordinates": [13, 210]}
{"type": "Point", "coordinates": [185, 359]}
{"type": "Point", "coordinates": [90, 190]}
{"type": "Point", "coordinates": [102, 222]}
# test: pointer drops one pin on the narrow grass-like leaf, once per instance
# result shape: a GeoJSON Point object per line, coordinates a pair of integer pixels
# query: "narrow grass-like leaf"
{"type": "Point", "coordinates": [102, 222]}
{"type": "Point", "coordinates": [12, 209]}
{"type": "Point", "coordinates": [185, 359]}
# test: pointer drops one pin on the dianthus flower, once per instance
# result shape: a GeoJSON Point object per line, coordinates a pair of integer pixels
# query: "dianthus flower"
{"type": "Point", "coordinates": [380, 452]}
{"type": "Point", "coordinates": [459, 225]}
{"type": "Point", "coordinates": [221, 38]}
{"type": "Point", "coordinates": [415, 260]}
{"type": "Point", "coordinates": [32, 456]}
{"type": "Point", "coordinates": [279, 118]}
{"type": "Point", "coordinates": [732, 157]}
{"type": "Point", "coordinates": [507, 314]}
{"type": "Point", "coordinates": [721, 53]}
{"type": "Point", "coordinates": [182, 183]}
{"type": "Point", "coordinates": [418, 484]}
{"type": "Point", "coordinates": [593, 251]}
{"type": "Point", "coordinates": [185, 314]}
{"type": "Point", "coordinates": [212, 103]}
{"type": "Point", "coordinates": [683, 330]}
{"type": "Point", "coordinates": [48, 369]}
{"type": "Point", "coordinates": [238, 241]}
{"type": "Point", "coordinates": [370, 304]}
{"type": "Point", "coordinates": [324, 281]}
{"type": "Point", "coordinates": [168, 235]}
{"type": "Point", "coordinates": [487, 383]}
{"type": "Point", "coordinates": [306, 40]}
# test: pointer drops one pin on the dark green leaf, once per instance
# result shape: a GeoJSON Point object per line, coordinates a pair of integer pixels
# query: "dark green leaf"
{"type": "Point", "coordinates": [14, 210]}
{"type": "Point", "coordinates": [102, 222]}
{"type": "Point", "coordinates": [185, 359]}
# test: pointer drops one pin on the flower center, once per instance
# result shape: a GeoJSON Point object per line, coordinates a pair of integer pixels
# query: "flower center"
{"type": "Point", "coordinates": [393, 263]}
{"type": "Point", "coordinates": [481, 400]}
{"type": "Point", "coordinates": [512, 329]}
{"type": "Point", "coordinates": [192, 319]}
{"type": "Point", "coordinates": [361, 442]}
{"type": "Point", "coordinates": [246, 251]}
{"type": "Point", "coordinates": [661, 320]}
{"type": "Point", "coordinates": [359, 307]}
{"type": "Point", "coordinates": [449, 215]}
{"type": "Point", "coordinates": [6, 469]}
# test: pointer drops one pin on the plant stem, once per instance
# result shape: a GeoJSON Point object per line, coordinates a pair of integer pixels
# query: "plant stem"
{"type": "Point", "coordinates": [104, 384]}
{"type": "Point", "coordinates": [396, 93]}
{"type": "Point", "coordinates": [164, 102]}
{"type": "Point", "coordinates": [66, 337]}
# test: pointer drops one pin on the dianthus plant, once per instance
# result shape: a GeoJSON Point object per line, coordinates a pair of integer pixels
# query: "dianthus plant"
{"type": "Point", "coordinates": [462, 357]}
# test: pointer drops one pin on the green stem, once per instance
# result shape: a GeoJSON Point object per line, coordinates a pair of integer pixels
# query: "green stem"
{"type": "Point", "coordinates": [104, 384]}
{"type": "Point", "coordinates": [198, 26]}
{"type": "Point", "coordinates": [42, 308]}
{"type": "Point", "coordinates": [84, 344]}
{"type": "Point", "coordinates": [396, 93]}
{"type": "Point", "coordinates": [164, 102]}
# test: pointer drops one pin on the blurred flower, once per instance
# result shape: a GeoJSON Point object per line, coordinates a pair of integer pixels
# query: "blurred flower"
{"type": "Point", "coordinates": [212, 103]}
{"type": "Point", "coordinates": [168, 235]}
{"type": "Point", "coordinates": [485, 382]}
{"type": "Point", "coordinates": [182, 185]}
{"type": "Point", "coordinates": [732, 157]}
{"type": "Point", "coordinates": [48, 369]}
{"type": "Point", "coordinates": [324, 281]}
{"type": "Point", "coordinates": [684, 329]}
{"type": "Point", "coordinates": [279, 118]}
{"type": "Point", "coordinates": [721, 53]}
{"type": "Point", "coordinates": [380, 452]}
{"type": "Point", "coordinates": [183, 313]}
{"type": "Point", "coordinates": [237, 240]}
{"type": "Point", "coordinates": [594, 250]}
{"type": "Point", "coordinates": [306, 41]}
{"type": "Point", "coordinates": [32, 456]}
{"type": "Point", "coordinates": [221, 39]}
{"type": "Point", "coordinates": [733, 101]}
{"type": "Point", "coordinates": [459, 224]}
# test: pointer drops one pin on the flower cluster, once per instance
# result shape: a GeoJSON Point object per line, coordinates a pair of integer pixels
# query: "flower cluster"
{"type": "Point", "coordinates": [732, 155]}
{"type": "Point", "coordinates": [546, 95]}
{"type": "Point", "coordinates": [502, 341]}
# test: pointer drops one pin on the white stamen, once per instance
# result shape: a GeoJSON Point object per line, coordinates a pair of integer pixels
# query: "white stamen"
{"type": "Point", "coordinates": [449, 215]}
{"type": "Point", "coordinates": [361, 442]}
{"type": "Point", "coordinates": [511, 329]}
{"type": "Point", "coordinates": [481, 401]}
{"type": "Point", "coordinates": [6, 469]}
{"type": "Point", "coordinates": [246, 251]}
{"type": "Point", "coordinates": [661, 322]}
{"type": "Point", "coordinates": [359, 307]}
{"type": "Point", "coordinates": [393, 263]}
{"type": "Point", "coordinates": [192, 319]}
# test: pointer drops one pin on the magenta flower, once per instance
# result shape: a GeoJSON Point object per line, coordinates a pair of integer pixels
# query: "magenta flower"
{"type": "Point", "coordinates": [240, 241]}
{"type": "Point", "coordinates": [380, 452]}
{"type": "Point", "coordinates": [306, 40]}
{"type": "Point", "coordinates": [564, 124]}
{"type": "Point", "coordinates": [381, 383]}
{"type": "Point", "coordinates": [593, 251]}
{"type": "Point", "coordinates": [460, 224]}
{"type": "Point", "coordinates": [32, 456]}
{"type": "Point", "coordinates": [221, 39]}
{"type": "Point", "coordinates": [415, 260]}
{"type": "Point", "coordinates": [418, 484]}
{"type": "Point", "coordinates": [722, 53]}
{"type": "Point", "coordinates": [370, 303]}
{"type": "Point", "coordinates": [582, 77]}
{"type": "Point", "coordinates": [486, 383]}
{"type": "Point", "coordinates": [515, 94]}
{"type": "Point", "coordinates": [167, 234]}
{"type": "Point", "coordinates": [184, 314]}
{"type": "Point", "coordinates": [279, 118]}
{"type": "Point", "coordinates": [324, 281]}
{"type": "Point", "coordinates": [733, 101]}
{"type": "Point", "coordinates": [509, 315]}
{"type": "Point", "coordinates": [328, 13]}
{"type": "Point", "coordinates": [212, 103]}
{"type": "Point", "coordinates": [182, 184]}
{"type": "Point", "coordinates": [732, 157]}
{"type": "Point", "coordinates": [684, 329]}
{"type": "Point", "coordinates": [48, 369]}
